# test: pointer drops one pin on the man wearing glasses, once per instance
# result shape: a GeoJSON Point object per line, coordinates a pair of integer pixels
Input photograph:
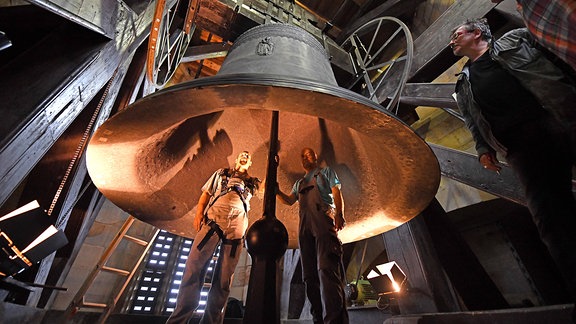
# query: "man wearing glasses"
{"type": "Point", "coordinates": [517, 103]}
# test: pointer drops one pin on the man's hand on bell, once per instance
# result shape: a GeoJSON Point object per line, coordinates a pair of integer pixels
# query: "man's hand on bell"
{"type": "Point", "coordinates": [489, 161]}
{"type": "Point", "coordinates": [339, 221]}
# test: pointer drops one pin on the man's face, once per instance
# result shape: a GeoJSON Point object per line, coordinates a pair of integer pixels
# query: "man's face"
{"type": "Point", "coordinates": [461, 41]}
{"type": "Point", "coordinates": [309, 159]}
{"type": "Point", "coordinates": [243, 161]}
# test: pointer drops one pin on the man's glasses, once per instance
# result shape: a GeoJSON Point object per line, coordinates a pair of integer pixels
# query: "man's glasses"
{"type": "Point", "coordinates": [458, 34]}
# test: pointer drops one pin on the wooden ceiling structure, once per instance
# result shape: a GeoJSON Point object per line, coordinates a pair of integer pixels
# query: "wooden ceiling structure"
{"type": "Point", "coordinates": [72, 64]}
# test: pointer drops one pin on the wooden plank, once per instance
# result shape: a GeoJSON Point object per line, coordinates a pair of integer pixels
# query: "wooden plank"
{"type": "Point", "coordinates": [338, 57]}
{"type": "Point", "coordinates": [53, 109]}
{"type": "Point", "coordinates": [201, 52]}
{"type": "Point", "coordinates": [429, 94]}
{"type": "Point", "coordinates": [464, 167]}
{"type": "Point", "coordinates": [82, 220]}
{"type": "Point", "coordinates": [214, 17]}
{"type": "Point", "coordinates": [430, 90]}
{"type": "Point", "coordinates": [429, 102]}
{"type": "Point", "coordinates": [256, 11]}
{"type": "Point", "coordinates": [38, 76]}
{"type": "Point", "coordinates": [100, 18]}
{"type": "Point", "coordinates": [425, 264]}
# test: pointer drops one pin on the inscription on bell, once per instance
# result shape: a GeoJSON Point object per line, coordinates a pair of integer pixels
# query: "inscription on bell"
{"type": "Point", "coordinates": [265, 47]}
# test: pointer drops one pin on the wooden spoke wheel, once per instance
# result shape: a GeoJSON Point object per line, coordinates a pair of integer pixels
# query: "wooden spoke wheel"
{"type": "Point", "coordinates": [381, 52]}
{"type": "Point", "coordinates": [170, 34]}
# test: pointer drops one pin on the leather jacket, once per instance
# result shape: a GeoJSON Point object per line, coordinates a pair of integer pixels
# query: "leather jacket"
{"type": "Point", "coordinates": [516, 52]}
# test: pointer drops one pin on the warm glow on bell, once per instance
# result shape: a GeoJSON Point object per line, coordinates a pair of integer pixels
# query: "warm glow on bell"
{"type": "Point", "coordinates": [372, 225]}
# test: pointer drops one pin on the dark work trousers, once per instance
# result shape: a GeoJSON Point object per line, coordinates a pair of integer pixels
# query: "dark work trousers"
{"type": "Point", "coordinates": [321, 257]}
{"type": "Point", "coordinates": [193, 280]}
{"type": "Point", "coordinates": [540, 154]}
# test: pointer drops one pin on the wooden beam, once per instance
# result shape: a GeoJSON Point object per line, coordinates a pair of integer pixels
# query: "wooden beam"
{"type": "Point", "coordinates": [474, 285]}
{"type": "Point", "coordinates": [214, 17]}
{"type": "Point", "coordinates": [79, 178]}
{"type": "Point", "coordinates": [464, 167]}
{"type": "Point", "coordinates": [46, 88]}
{"type": "Point", "coordinates": [434, 40]}
{"type": "Point", "coordinates": [201, 52]}
{"type": "Point", "coordinates": [392, 8]}
{"type": "Point", "coordinates": [98, 16]}
{"type": "Point", "coordinates": [432, 56]}
{"type": "Point", "coordinates": [263, 11]}
{"type": "Point", "coordinates": [428, 289]}
{"type": "Point", "coordinates": [508, 9]}
{"type": "Point", "coordinates": [429, 94]}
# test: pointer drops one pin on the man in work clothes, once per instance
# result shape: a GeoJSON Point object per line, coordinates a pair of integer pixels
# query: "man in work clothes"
{"type": "Point", "coordinates": [321, 216]}
{"type": "Point", "coordinates": [221, 217]}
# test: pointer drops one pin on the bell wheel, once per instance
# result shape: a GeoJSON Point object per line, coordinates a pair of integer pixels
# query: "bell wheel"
{"type": "Point", "coordinates": [381, 52]}
{"type": "Point", "coordinates": [170, 34]}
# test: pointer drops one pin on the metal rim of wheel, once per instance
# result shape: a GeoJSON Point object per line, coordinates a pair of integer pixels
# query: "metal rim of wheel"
{"type": "Point", "coordinates": [366, 46]}
{"type": "Point", "coordinates": [170, 35]}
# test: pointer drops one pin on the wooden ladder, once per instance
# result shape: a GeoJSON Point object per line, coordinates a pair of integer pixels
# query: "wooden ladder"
{"type": "Point", "coordinates": [79, 302]}
{"type": "Point", "coordinates": [207, 284]}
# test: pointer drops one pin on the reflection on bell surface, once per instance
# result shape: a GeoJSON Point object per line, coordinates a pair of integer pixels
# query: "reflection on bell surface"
{"type": "Point", "coordinates": [152, 159]}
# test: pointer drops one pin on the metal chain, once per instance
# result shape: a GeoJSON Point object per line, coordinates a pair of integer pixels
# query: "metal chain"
{"type": "Point", "coordinates": [59, 223]}
{"type": "Point", "coordinates": [80, 147]}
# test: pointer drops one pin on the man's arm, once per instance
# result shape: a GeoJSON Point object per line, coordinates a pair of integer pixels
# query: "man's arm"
{"type": "Point", "coordinates": [284, 198]}
{"type": "Point", "coordinates": [260, 186]}
{"type": "Point", "coordinates": [202, 203]}
{"type": "Point", "coordinates": [339, 221]}
{"type": "Point", "coordinates": [486, 154]}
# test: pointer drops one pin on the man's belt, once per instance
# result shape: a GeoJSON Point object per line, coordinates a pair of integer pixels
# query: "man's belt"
{"type": "Point", "coordinates": [214, 228]}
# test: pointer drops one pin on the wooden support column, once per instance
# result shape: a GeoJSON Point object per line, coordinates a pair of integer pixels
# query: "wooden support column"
{"type": "Point", "coordinates": [429, 290]}
{"type": "Point", "coordinates": [473, 284]}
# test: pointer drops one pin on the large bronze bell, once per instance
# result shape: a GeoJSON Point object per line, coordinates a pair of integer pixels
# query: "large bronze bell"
{"type": "Point", "coordinates": [152, 159]}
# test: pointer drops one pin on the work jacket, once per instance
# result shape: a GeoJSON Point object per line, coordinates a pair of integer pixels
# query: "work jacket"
{"type": "Point", "coordinates": [517, 52]}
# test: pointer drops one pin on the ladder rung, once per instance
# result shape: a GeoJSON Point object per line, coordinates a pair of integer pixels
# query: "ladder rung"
{"type": "Point", "coordinates": [93, 305]}
{"type": "Point", "coordinates": [136, 240]}
{"type": "Point", "coordinates": [115, 270]}
{"type": "Point", "coordinates": [78, 301]}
